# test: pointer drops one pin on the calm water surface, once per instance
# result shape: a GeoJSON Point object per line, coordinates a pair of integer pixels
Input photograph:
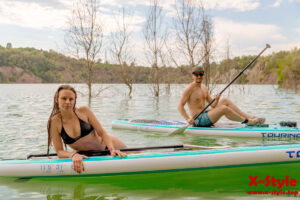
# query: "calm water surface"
{"type": "Point", "coordinates": [25, 108]}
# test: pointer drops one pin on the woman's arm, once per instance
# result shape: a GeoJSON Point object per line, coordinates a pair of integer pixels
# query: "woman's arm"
{"type": "Point", "coordinates": [101, 132]}
{"type": "Point", "coordinates": [58, 145]}
{"type": "Point", "coordinates": [56, 140]}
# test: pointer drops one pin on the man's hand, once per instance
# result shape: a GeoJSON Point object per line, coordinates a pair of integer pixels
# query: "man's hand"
{"type": "Point", "coordinates": [217, 97]}
{"type": "Point", "coordinates": [191, 121]}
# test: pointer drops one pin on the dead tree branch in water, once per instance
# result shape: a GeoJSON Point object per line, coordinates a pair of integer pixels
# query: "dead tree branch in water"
{"type": "Point", "coordinates": [84, 36]}
{"type": "Point", "coordinates": [120, 50]}
{"type": "Point", "coordinates": [154, 37]}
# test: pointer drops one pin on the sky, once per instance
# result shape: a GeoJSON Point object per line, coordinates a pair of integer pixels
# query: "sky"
{"type": "Point", "coordinates": [246, 25]}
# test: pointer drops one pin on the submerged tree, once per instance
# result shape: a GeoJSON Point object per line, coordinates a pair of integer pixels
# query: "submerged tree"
{"type": "Point", "coordinates": [120, 50]}
{"type": "Point", "coordinates": [154, 37]}
{"type": "Point", "coordinates": [189, 30]}
{"type": "Point", "coordinates": [193, 36]}
{"type": "Point", "coordinates": [84, 36]}
{"type": "Point", "coordinates": [207, 47]}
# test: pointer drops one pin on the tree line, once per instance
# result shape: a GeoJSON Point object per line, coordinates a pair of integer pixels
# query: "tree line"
{"type": "Point", "coordinates": [54, 67]}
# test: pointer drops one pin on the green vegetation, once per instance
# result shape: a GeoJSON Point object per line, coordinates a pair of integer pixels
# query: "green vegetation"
{"type": "Point", "coordinates": [53, 67]}
{"type": "Point", "coordinates": [286, 64]}
{"type": "Point", "coordinates": [3, 79]}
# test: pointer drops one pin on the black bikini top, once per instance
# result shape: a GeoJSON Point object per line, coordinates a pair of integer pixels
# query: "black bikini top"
{"type": "Point", "coordinates": [85, 129]}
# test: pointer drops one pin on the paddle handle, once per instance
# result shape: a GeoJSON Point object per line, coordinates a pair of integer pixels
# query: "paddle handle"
{"type": "Point", "coordinates": [267, 46]}
{"type": "Point", "coordinates": [105, 152]}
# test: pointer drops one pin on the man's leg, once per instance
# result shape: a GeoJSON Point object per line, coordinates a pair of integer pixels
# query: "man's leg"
{"type": "Point", "coordinates": [230, 104]}
{"type": "Point", "coordinates": [221, 110]}
{"type": "Point", "coordinates": [215, 114]}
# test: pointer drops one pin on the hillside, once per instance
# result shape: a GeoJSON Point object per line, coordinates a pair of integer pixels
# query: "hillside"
{"type": "Point", "coordinates": [29, 65]}
{"type": "Point", "coordinates": [51, 67]}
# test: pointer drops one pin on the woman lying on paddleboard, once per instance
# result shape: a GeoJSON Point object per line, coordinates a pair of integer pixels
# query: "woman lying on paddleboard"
{"type": "Point", "coordinates": [78, 128]}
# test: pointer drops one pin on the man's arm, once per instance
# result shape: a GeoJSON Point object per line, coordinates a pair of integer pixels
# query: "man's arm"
{"type": "Point", "coordinates": [183, 100]}
{"type": "Point", "coordinates": [209, 99]}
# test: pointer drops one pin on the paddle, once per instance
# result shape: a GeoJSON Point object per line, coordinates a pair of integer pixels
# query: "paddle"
{"type": "Point", "coordinates": [106, 152]}
{"type": "Point", "coordinates": [182, 129]}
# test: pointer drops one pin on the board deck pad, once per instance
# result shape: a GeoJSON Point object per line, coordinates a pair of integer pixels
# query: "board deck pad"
{"type": "Point", "coordinates": [219, 128]}
{"type": "Point", "coordinates": [157, 122]}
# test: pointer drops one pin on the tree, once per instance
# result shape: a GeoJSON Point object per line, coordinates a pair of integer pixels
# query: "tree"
{"type": "Point", "coordinates": [188, 25]}
{"type": "Point", "coordinates": [154, 37]}
{"type": "Point", "coordinates": [207, 40]}
{"type": "Point", "coordinates": [85, 35]}
{"type": "Point", "coordinates": [120, 50]}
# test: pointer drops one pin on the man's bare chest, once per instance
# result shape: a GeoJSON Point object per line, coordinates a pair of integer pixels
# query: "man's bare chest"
{"type": "Point", "coordinates": [197, 95]}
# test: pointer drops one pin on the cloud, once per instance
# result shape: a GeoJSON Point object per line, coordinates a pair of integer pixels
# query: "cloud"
{"type": "Point", "coordinates": [276, 3]}
{"type": "Point", "coordinates": [127, 3]}
{"type": "Point", "coordinates": [44, 14]}
{"type": "Point", "coordinates": [246, 38]}
{"type": "Point", "coordinates": [297, 1]}
{"type": "Point", "coordinates": [54, 13]}
{"type": "Point", "coordinates": [32, 15]}
{"type": "Point", "coordinates": [110, 23]}
{"type": "Point", "coordinates": [57, 4]}
{"type": "Point", "coordinates": [239, 5]}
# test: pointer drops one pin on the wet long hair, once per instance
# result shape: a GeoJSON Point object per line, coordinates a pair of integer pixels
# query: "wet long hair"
{"type": "Point", "coordinates": [55, 109]}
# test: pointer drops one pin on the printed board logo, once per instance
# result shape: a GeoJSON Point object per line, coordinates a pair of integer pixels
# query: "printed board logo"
{"type": "Point", "coordinates": [293, 154]}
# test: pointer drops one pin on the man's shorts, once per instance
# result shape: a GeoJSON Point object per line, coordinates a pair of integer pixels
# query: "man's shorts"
{"type": "Point", "coordinates": [203, 121]}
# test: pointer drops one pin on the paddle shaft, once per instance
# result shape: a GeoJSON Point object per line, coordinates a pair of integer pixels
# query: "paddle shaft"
{"type": "Point", "coordinates": [267, 46]}
{"type": "Point", "coordinates": [105, 152]}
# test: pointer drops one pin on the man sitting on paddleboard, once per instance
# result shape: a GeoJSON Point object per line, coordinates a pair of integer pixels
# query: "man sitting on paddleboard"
{"type": "Point", "coordinates": [77, 128]}
{"type": "Point", "coordinates": [195, 95]}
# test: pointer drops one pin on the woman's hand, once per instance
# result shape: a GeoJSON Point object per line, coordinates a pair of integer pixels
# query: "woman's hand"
{"type": "Point", "coordinates": [119, 153]}
{"type": "Point", "coordinates": [78, 162]}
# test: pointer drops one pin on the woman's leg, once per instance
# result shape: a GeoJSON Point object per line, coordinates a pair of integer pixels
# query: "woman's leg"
{"type": "Point", "coordinates": [118, 144]}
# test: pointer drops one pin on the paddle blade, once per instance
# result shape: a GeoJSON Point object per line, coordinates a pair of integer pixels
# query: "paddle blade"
{"type": "Point", "coordinates": [180, 130]}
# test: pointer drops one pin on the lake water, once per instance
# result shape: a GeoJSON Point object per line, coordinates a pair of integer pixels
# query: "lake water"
{"type": "Point", "coordinates": [25, 108]}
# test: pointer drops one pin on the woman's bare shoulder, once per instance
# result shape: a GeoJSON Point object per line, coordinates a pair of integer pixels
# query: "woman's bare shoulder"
{"type": "Point", "coordinates": [83, 109]}
{"type": "Point", "coordinates": [56, 118]}
{"type": "Point", "coordinates": [84, 113]}
{"type": "Point", "coordinates": [56, 122]}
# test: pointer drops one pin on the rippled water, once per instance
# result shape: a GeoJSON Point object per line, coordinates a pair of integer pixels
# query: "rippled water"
{"type": "Point", "coordinates": [25, 108]}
